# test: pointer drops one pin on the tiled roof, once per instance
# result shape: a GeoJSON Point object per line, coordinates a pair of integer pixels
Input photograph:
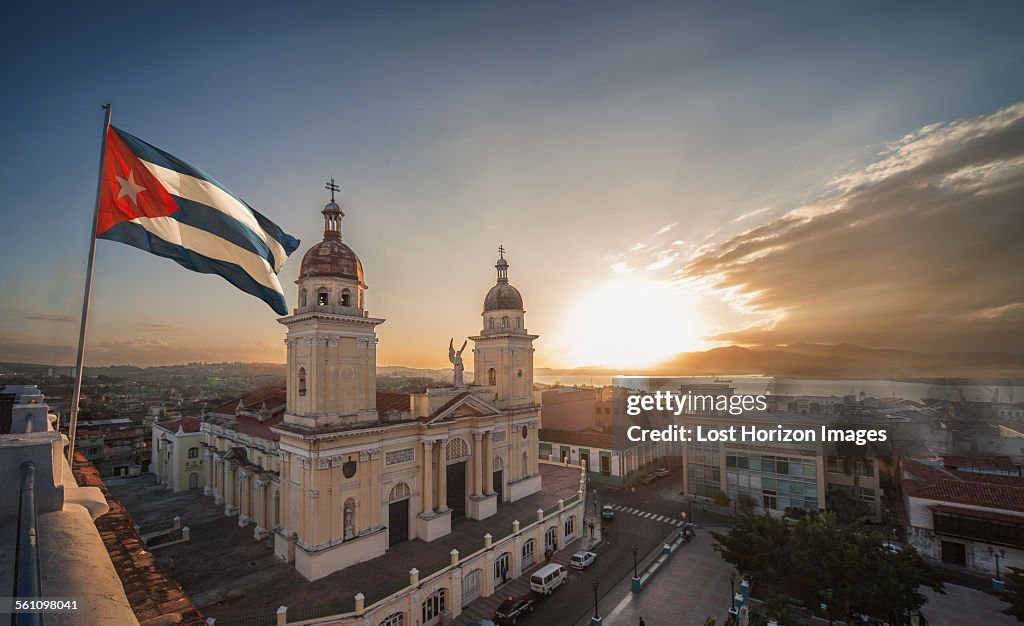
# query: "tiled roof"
{"type": "Point", "coordinates": [187, 424]}
{"type": "Point", "coordinates": [388, 402]}
{"type": "Point", "coordinates": [273, 396]}
{"type": "Point", "coordinates": [989, 462]}
{"type": "Point", "coordinates": [997, 496]}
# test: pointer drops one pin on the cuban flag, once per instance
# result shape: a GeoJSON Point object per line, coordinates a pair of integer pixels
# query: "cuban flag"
{"type": "Point", "coordinates": [157, 202]}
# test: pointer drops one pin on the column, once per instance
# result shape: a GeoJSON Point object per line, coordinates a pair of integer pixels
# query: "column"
{"type": "Point", "coordinates": [260, 509]}
{"type": "Point", "coordinates": [207, 472]}
{"type": "Point", "coordinates": [243, 498]}
{"type": "Point", "coordinates": [427, 493]}
{"type": "Point", "coordinates": [442, 479]}
{"type": "Point", "coordinates": [535, 450]}
{"type": "Point", "coordinates": [478, 453]}
{"type": "Point", "coordinates": [218, 479]}
{"type": "Point", "coordinates": [229, 488]}
{"type": "Point", "coordinates": [489, 462]}
{"type": "Point", "coordinates": [376, 496]}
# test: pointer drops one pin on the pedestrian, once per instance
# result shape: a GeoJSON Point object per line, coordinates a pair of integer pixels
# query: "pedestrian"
{"type": "Point", "coordinates": [642, 622]}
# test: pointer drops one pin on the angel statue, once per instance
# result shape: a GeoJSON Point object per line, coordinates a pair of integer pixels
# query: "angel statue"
{"type": "Point", "coordinates": [456, 359]}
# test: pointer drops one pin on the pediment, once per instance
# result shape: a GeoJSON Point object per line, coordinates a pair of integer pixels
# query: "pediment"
{"type": "Point", "coordinates": [463, 406]}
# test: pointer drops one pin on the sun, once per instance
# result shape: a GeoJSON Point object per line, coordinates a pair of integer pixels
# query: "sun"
{"type": "Point", "coordinates": [632, 323]}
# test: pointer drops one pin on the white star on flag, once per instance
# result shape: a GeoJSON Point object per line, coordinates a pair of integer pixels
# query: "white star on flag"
{"type": "Point", "coordinates": [129, 187]}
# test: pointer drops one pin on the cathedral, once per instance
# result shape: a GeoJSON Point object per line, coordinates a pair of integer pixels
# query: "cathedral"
{"type": "Point", "coordinates": [339, 472]}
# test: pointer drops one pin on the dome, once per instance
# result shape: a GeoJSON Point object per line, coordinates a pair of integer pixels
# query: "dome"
{"type": "Point", "coordinates": [332, 258]}
{"type": "Point", "coordinates": [503, 296]}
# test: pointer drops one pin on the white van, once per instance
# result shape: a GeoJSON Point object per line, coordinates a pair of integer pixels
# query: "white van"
{"type": "Point", "coordinates": [548, 578]}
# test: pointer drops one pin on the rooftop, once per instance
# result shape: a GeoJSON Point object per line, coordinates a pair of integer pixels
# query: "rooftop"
{"type": "Point", "coordinates": [229, 575]}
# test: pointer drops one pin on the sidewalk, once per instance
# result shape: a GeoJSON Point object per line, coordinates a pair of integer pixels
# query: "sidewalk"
{"type": "Point", "coordinates": [687, 589]}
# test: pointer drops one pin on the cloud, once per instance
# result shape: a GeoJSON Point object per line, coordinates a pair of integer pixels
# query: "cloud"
{"type": "Point", "coordinates": [667, 227]}
{"type": "Point", "coordinates": [751, 214]}
{"type": "Point", "coordinates": [49, 317]}
{"type": "Point", "coordinates": [158, 327]}
{"type": "Point", "coordinates": [920, 249]}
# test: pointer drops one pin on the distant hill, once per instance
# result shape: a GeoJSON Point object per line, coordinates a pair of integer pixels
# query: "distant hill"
{"type": "Point", "coordinates": [798, 360]}
{"type": "Point", "coordinates": [810, 360]}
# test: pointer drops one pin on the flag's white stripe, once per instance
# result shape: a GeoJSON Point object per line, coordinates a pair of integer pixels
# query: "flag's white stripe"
{"type": "Point", "coordinates": [212, 246]}
{"type": "Point", "coordinates": [205, 192]}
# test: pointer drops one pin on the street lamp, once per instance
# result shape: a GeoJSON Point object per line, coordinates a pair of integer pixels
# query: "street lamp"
{"type": "Point", "coordinates": [636, 548]}
{"type": "Point", "coordinates": [1000, 554]}
{"type": "Point", "coordinates": [732, 587]}
{"type": "Point", "coordinates": [595, 585]}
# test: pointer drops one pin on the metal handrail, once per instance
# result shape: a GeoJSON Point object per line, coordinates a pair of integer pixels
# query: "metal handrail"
{"type": "Point", "coordinates": [26, 556]}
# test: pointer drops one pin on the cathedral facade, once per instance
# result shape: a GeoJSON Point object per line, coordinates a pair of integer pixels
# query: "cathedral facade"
{"type": "Point", "coordinates": [348, 472]}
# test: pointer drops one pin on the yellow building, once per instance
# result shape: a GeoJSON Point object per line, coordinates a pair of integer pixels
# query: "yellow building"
{"type": "Point", "coordinates": [177, 461]}
{"type": "Point", "coordinates": [338, 477]}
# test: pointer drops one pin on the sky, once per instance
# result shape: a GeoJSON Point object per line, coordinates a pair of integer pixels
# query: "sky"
{"type": "Point", "coordinates": [665, 176]}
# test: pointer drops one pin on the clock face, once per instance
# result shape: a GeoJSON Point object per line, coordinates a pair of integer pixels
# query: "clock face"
{"type": "Point", "coordinates": [526, 432]}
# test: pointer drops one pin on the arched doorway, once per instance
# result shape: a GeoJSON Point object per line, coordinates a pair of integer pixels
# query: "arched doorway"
{"type": "Point", "coordinates": [456, 456]}
{"type": "Point", "coordinates": [398, 514]}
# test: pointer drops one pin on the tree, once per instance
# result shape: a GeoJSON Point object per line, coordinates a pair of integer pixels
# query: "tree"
{"type": "Point", "coordinates": [817, 560]}
{"type": "Point", "coordinates": [1013, 594]}
{"type": "Point", "coordinates": [722, 498]}
{"type": "Point", "coordinates": [848, 509]}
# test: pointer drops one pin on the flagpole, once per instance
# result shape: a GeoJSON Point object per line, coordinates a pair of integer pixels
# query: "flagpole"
{"type": "Point", "coordinates": [77, 390]}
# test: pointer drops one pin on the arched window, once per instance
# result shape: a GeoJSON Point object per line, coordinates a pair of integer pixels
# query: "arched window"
{"type": "Point", "coordinates": [490, 323]}
{"type": "Point", "coordinates": [504, 322]}
{"type": "Point", "coordinates": [528, 549]}
{"type": "Point", "coordinates": [551, 538]}
{"type": "Point", "coordinates": [395, 619]}
{"type": "Point", "coordinates": [302, 381]}
{"type": "Point", "coordinates": [399, 492]}
{"type": "Point", "coordinates": [302, 297]}
{"type": "Point", "coordinates": [570, 526]}
{"type": "Point", "coordinates": [492, 377]}
{"type": "Point", "coordinates": [193, 453]}
{"type": "Point", "coordinates": [346, 297]}
{"type": "Point", "coordinates": [322, 296]}
{"type": "Point", "coordinates": [519, 322]}
{"type": "Point", "coordinates": [457, 449]}
{"type": "Point", "coordinates": [434, 604]}
{"type": "Point", "coordinates": [501, 567]}
{"type": "Point", "coordinates": [349, 518]}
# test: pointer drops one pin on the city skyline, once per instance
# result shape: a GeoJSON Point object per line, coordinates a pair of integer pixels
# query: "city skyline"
{"type": "Point", "coordinates": [715, 190]}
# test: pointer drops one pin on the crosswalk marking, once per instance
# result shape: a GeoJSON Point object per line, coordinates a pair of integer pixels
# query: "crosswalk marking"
{"type": "Point", "coordinates": [664, 519]}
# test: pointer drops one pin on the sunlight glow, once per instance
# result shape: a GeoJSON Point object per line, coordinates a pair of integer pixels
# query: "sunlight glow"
{"type": "Point", "coordinates": [633, 323]}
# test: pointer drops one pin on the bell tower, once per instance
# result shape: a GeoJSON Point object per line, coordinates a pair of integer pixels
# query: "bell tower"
{"type": "Point", "coordinates": [332, 341]}
{"type": "Point", "coordinates": [503, 356]}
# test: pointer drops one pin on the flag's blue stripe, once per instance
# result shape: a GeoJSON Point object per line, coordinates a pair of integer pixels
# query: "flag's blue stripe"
{"type": "Point", "coordinates": [135, 235]}
{"type": "Point", "coordinates": [287, 242]}
{"type": "Point", "coordinates": [149, 152]}
{"type": "Point", "coordinates": [222, 225]}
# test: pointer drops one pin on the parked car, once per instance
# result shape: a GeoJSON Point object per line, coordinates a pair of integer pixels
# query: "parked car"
{"type": "Point", "coordinates": [582, 560]}
{"type": "Point", "coordinates": [648, 479]}
{"type": "Point", "coordinates": [548, 578]}
{"type": "Point", "coordinates": [660, 472]}
{"type": "Point", "coordinates": [512, 609]}
{"type": "Point", "coordinates": [892, 547]}
{"type": "Point", "coordinates": [607, 512]}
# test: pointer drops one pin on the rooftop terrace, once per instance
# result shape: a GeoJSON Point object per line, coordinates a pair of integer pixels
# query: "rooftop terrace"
{"type": "Point", "coordinates": [229, 575]}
